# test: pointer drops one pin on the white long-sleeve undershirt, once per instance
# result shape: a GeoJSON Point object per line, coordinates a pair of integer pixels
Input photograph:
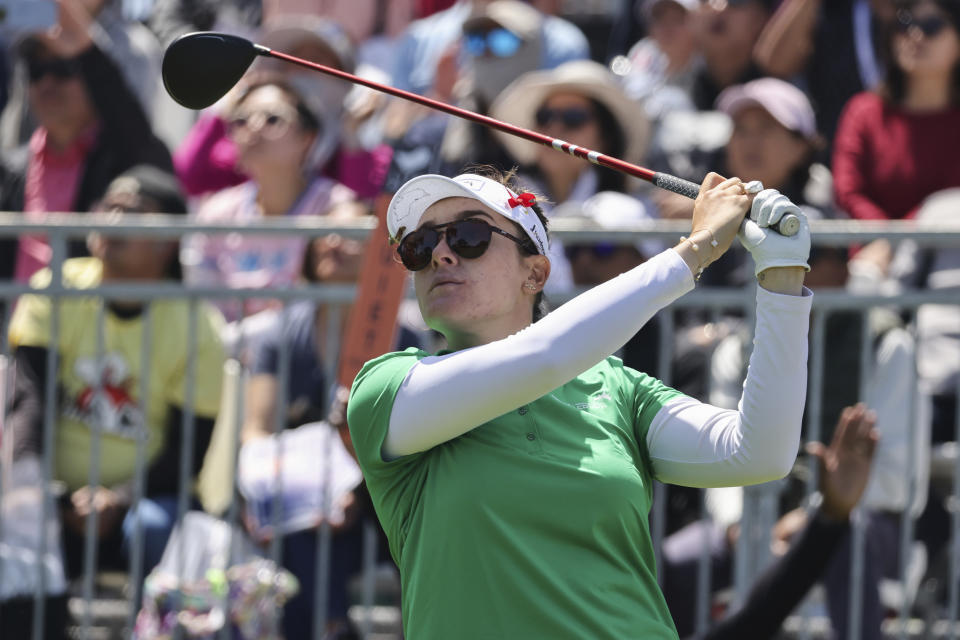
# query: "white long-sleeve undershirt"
{"type": "Point", "coordinates": [443, 397]}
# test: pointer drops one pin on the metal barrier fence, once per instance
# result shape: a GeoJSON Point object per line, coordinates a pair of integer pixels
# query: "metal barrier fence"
{"type": "Point", "coordinates": [759, 510]}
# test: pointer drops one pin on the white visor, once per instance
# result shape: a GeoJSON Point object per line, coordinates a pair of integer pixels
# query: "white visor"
{"type": "Point", "coordinates": [416, 195]}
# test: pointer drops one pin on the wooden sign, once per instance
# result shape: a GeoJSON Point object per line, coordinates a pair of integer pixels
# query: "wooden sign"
{"type": "Point", "coordinates": [371, 325]}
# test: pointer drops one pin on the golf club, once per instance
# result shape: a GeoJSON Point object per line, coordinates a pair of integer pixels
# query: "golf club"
{"type": "Point", "coordinates": [199, 68]}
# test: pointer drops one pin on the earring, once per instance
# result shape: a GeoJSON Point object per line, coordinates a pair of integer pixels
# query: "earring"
{"type": "Point", "coordinates": [529, 286]}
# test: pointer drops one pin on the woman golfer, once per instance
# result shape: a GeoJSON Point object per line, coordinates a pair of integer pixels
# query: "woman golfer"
{"type": "Point", "coordinates": [513, 473]}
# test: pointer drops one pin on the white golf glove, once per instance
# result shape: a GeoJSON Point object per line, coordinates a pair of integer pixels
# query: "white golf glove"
{"type": "Point", "coordinates": [769, 248]}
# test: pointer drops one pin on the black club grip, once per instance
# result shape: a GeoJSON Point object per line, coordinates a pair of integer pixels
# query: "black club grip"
{"type": "Point", "coordinates": [677, 185]}
{"type": "Point", "coordinates": [787, 226]}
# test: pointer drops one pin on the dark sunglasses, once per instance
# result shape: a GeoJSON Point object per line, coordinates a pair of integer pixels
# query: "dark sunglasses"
{"type": "Point", "coordinates": [500, 42]}
{"type": "Point", "coordinates": [930, 26]}
{"type": "Point", "coordinates": [467, 238]}
{"type": "Point", "coordinates": [572, 118]}
{"type": "Point", "coordinates": [601, 251]}
{"type": "Point", "coordinates": [60, 68]}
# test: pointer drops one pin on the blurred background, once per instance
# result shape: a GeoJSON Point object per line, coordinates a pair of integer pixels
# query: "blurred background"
{"type": "Point", "coordinates": [177, 290]}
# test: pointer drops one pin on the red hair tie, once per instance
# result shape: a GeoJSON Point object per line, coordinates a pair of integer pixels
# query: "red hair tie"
{"type": "Point", "coordinates": [523, 200]}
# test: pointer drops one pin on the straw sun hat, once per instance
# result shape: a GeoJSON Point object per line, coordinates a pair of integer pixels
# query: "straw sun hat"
{"type": "Point", "coordinates": [518, 104]}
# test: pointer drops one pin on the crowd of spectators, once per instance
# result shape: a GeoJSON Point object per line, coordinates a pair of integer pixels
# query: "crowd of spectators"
{"type": "Point", "coordinates": [851, 108]}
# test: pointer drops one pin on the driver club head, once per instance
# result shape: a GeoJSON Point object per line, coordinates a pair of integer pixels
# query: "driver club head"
{"type": "Point", "coordinates": [199, 68]}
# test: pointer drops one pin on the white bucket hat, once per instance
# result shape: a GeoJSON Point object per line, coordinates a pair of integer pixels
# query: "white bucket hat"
{"type": "Point", "coordinates": [416, 195]}
{"type": "Point", "coordinates": [518, 104]}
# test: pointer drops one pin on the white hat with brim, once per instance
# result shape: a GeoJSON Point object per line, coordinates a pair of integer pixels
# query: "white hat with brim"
{"type": "Point", "coordinates": [285, 32]}
{"type": "Point", "coordinates": [517, 17]}
{"type": "Point", "coordinates": [416, 195]}
{"type": "Point", "coordinates": [518, 104]}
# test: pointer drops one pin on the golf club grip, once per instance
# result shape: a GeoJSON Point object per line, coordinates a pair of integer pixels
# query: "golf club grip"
{"type": "Point", "coordinates": [675, 184]}
{"type": "Point", "coordinates": [788, 225]}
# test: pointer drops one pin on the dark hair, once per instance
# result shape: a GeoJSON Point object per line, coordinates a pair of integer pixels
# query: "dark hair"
{"type": "Point", "coordinates": [614, 141]}
{"type": "Point", "coordinates": [158, 191]}
{"type": "Point", "coordinates": [797, 181]}
{"type": "Point", "coordinates": [307, 272]}
{"type": "Point", "coordinates": [308, 269]}
{"type": "Point", "coordinates": [307, 119]}
{"type": "Point", "coordinates": [509, 180]}
{"type": "Point", "coordinates": [894, 87]}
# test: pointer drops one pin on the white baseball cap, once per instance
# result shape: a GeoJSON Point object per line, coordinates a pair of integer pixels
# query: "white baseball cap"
{"type": "Point", "coordinates": [517, 17]}
{"type": "Point", "coordinates": [416, 195]}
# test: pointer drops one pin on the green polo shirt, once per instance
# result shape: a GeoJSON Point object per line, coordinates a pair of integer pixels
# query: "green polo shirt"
{"type": "Point", "coordinates": [532, 525]}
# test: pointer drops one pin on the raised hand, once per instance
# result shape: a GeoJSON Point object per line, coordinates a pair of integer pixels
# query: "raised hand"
{"type": "Point", "coordinates": [845, 464]}
{"type": "Point", "coordinates": [71, 35]}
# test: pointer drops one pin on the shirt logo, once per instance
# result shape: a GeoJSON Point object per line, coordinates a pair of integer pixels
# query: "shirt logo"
{"type": "Point", "coordinates": [594, 402]}
{"type": "Point", "coordinates": [106, 399]}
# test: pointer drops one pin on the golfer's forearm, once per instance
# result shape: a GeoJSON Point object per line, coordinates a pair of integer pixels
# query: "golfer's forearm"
{"type": "Point", "coordinates": [446, 396]}
{"type": "Point", "coordinates": [787, 40]}
{"type": "Point", "coordinates": [696, 444]}
{"type": "Point", "coordinates": [785, 280]}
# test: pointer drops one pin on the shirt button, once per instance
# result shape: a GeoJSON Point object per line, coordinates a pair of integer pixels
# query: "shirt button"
{"type": "Point", "coordinates": [531, 437]}
{"type": "Point", "coordinates": [523, 411]}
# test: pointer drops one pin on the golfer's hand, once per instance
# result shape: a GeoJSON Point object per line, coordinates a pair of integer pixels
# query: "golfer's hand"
{"type": "Point", "coordinates": [720, 207]}
{"type": "Point", "coordinates": [717, 213]}
{"type": "Point", "coordinates": [768, 248]}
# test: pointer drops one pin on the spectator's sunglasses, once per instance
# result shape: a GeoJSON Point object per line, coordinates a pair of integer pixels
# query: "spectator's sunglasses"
{"type": "Point", "coordinates": [272, 124]}
{"type": "Point", "coordinates": [60, 68]}
{"type": "Point", "coordinates": [930, 26]}
{"type": "Point", "coordinates": [500, 42]}
{"type": "Point", "coordinates": [571, 118]}
{"type": "Point", "coordinates": [467, 238]}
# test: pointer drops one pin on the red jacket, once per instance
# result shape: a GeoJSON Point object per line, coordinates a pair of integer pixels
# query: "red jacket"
{"type": "Point", "coordinates": [886, 160]}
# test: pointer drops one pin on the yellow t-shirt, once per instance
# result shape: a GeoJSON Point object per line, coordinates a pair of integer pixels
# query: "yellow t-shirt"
{"type": "Point", "coordinates": [116, 408]}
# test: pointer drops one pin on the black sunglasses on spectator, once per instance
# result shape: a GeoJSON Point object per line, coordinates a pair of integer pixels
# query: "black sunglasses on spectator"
{"type": "Point", "coordinates": [572, 118]}
{"type": "Point", "coordinates": [61, 68]}
{"type": "Point", "coordinates": [930, 26]}
{"type": "Point", "coordinates": [468, 238]}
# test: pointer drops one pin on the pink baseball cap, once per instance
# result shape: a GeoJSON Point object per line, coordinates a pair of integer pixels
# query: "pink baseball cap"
{"type": "Point", "coordinates": [787, 104]}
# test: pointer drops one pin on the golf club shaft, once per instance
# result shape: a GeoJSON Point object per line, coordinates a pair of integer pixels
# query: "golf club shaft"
{"type": "Point", "coordinates": [666, 181]}
{"type": "Point", "coordinates": [787, 226]}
